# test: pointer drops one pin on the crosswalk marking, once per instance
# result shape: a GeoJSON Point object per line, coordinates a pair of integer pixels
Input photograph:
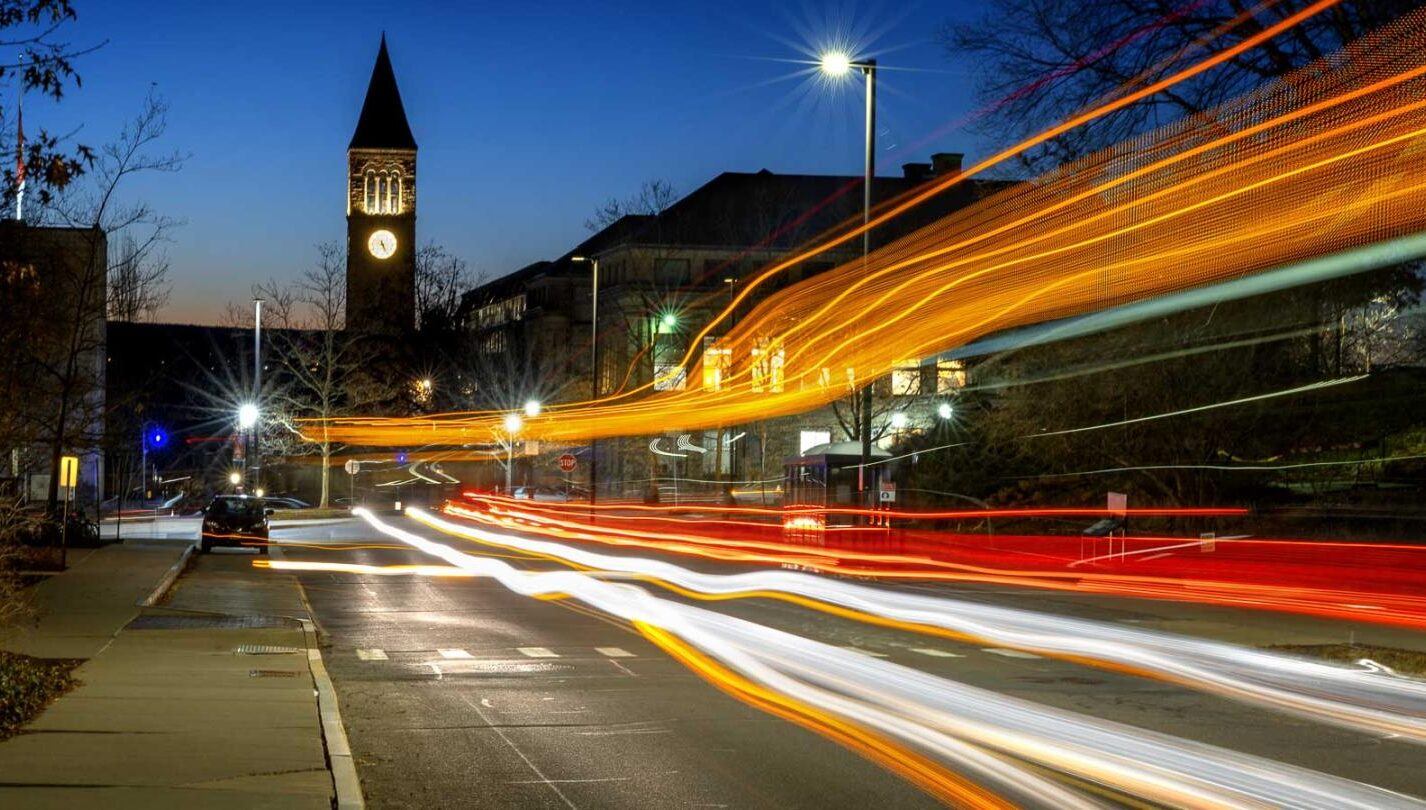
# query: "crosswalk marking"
{"type": "Point", "coordinates": [934, 653]}
{"type": "Point", "coordinates": [454, 654]}
{"type": "Point", "coordinates": [538, 652]}
{"type": "Point", "coordinates": [371, 655]}
{"type": "Point", "coordinates": [865, 652]}
{"type": "Point", "coordinates": [1009, 653]}
{"type": "Point", "coordinates": [614, 652]}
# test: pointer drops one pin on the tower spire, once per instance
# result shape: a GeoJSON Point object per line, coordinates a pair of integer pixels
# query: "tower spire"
{"type": "Point", "coordinates": [382, 123]}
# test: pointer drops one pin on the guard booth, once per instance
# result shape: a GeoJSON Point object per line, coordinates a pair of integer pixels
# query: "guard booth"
{"type": "Point", "coordinates": [826, 476]}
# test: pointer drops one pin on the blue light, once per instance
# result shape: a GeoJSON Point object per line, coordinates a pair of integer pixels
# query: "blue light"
{"type": "Point", "coordinates": [156, 438]}
{"type": "Point", "coordinates": [401, 457]}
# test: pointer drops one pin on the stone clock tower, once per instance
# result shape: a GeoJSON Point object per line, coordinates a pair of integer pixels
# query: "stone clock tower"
{"type": "Point", "coordinates": [381, 211]}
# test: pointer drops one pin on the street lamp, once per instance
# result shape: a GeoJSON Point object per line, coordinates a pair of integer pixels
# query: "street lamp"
{"type": "Point", "coordinates": [899, 421]}
{"type": "Point", "coordinates": [836, 64]}
{"type": "Point", "coordinates": [247, 416]}
{"type": "Point", "coordinates": [513, 423]}
{"type": "Point", "coordinates": [945, 410]}
{"type": "Point", "coordinates": [235, 478]}
{"type": "Point", "coordinates": [532, 408]}
{"type": "Point", "coordinates": [593, 361]}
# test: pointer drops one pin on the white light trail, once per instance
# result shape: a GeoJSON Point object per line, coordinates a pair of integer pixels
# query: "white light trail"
{"type": "Point", "coordinates": [954, 723]}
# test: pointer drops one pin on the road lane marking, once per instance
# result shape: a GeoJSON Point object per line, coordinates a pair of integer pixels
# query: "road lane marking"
{"type": "Point", "coordinates": [936, 653]}
{"type": "Point", "coordinates": [545, 780]}
{"type": "Point", "coordinates": [538, 652]}
{"type": "Point", "coordinates": [1009, 653]}
{"type": "Point", "coordinates": [614, 652]}
{"type": "Point", "coordinates": [454, 654]}
{"type": "Point", "coordinates": [371, 655]}
{"type": "Point", "coordinates": [865, 652]}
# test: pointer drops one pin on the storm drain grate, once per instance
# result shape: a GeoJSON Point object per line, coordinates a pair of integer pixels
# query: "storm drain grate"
{"type": "Point", "coordinates": [167, 622]}
{"type": "Point", "coordinates": [264, 649]}
{"type": "Point", "coordinates": [272, 673]}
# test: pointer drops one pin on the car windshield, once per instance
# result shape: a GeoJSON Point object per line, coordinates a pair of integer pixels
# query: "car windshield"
{"type": "Point", "coordinates": [236, 507]}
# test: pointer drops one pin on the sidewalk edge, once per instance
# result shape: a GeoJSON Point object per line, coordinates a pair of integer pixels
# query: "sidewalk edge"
{"type": "Point", "coordinates": [169, 577]}
{"type": "Point", "coordinates": [334, 734]}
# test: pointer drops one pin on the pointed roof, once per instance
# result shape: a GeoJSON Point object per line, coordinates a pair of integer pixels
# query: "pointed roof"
{"type": "Point", "coordinates": [382, 124]}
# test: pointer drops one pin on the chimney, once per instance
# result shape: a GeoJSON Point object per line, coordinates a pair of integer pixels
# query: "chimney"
{"type": "Point", "coordinates": [946, 163]}
{"type": "Point", "coordinates": [916, 172]}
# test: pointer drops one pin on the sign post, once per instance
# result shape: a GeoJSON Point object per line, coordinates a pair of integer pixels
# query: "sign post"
{"type": "Point", "coordinates": [352, 467]}
{"type": "Point", "coordinates": [567, 462]}
{"type": "Point", "coordinates": [68, 480]}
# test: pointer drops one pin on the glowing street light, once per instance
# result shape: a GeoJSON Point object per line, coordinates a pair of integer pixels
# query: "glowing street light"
{"type": "Point", "coordinates": [235, 478]}
{"type": "Point", "coordinates": [669, 320]}
{"type": "Point", "coordinates": [835, 63]}
{"type": "Point", "coordinates": [247, 416]}
{"type": "Point", "coordinates": [899, 420]}
{"type": "Point", "coordinates": [513, 423]}
{"type": "Point", "coordinates": [945, 410]}
{"type": "Point", "coordinates": [532, 408]}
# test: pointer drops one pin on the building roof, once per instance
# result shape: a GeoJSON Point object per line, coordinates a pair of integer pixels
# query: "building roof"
{"type": "Point", "coordinates": [382, 124]}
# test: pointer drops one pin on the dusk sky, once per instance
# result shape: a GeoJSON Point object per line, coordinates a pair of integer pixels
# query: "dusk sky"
{"type": "Point", "coordinates": [527, 117]}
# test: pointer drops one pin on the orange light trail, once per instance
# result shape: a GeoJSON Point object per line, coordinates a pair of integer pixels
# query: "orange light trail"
{"type": "Point", "coordinates": [1322, 162]}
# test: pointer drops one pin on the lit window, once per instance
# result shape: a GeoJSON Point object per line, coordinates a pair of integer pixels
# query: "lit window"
{"type": "Point", "coordinates": [906, 378]}
{"type": "Point", "coordinates": [808, 439]}
{"type": "Point", "coordinates": [716, 362]}
{"type": "Point", "coordinates": [369, 192]}
{"type": "Point", "coordinates": [950, 375]}
{"type": "Point", "coordinates": [767, 370]}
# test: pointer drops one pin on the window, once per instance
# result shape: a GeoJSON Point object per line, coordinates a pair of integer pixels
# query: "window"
{"type": "Point", "coordinates": [493, 343]}
{"type": "Point", "coordinates": [950, 375]}
{"type": "Point", "coordinates": [382, 191]}
{"type": "Point", "coordinates": [716, 363]}
{"type": "Point", "coordinates": [671, 272]}
{"type": "Point", "coordinates": [808, 439]}
{"type": "Point", "coordinates": [767, 369]}
{"type": "Point", "coordinates": [906, 378]}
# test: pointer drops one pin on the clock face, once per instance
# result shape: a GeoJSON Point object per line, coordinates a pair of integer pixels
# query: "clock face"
{"type": "Point", "coordinates": [382, 244]}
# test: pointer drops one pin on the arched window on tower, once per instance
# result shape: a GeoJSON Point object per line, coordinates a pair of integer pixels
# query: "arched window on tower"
{"type": "Point", "coordinates": [369, 192]}
{"type": "Point", "coordinates": [392, 181]}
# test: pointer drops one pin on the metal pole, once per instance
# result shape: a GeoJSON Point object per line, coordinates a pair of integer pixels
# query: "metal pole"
{"type": "Point", "coordinates": [256, 449]}
{"type": "Point", "coordinates": [509, 466]}
{"type": "Point", "coordinates": [869, 70]}
{"type": "Point", "coordinates": [594, 380]}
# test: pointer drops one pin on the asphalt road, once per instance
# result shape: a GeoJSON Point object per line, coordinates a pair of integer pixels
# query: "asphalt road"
{"type": "Point", "coordinates": [460, 693]}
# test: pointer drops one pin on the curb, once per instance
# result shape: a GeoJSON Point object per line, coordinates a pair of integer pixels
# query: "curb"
{"type": "Point", "coordinates": [169, 577]}
{"type": "Point", "coordinates": [334, 735]}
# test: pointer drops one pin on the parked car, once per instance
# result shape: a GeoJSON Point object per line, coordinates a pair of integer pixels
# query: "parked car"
{"type": "Point", "coordinates": [234, 520]}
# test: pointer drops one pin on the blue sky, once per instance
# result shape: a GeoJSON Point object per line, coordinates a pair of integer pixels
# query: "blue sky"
{"type": "Point", "coordinates": [527, 115]}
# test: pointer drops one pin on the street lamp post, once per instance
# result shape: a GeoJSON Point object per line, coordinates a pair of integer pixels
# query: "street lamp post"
{"type": "Point", "coordinates": [593, 363]}
{"type": "Point", "coordinates": [256, 449]}
{"type": "Point", "coordinates": [247, 422]}
{"type": "Point", "coordinates": [513, 423]}
{"type": "Point", "coordinates": [838, 64]}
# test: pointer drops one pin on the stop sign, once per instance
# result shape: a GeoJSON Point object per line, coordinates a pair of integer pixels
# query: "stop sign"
{"type": "Point", "coordinates": [566, 462]}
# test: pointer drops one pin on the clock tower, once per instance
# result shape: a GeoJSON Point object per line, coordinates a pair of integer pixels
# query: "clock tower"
{"type": "Point", "coordinates": [381, 211]}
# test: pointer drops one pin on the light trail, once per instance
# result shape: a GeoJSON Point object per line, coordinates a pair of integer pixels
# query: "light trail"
{"type": "Point", "coordinates": [943, 718]}
{"type": "Point", "coordinates": [1370, 582]}
{"type": "Point", "coordinates": [1323, 692]}
{"type": "Point", "coordinates": [1326, 161]}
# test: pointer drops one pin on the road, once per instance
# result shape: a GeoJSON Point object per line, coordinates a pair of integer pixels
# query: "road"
{"type": "Point", "coordinates": [458, 692]}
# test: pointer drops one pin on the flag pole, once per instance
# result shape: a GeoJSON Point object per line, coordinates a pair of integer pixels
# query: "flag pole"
{"type": "Point", "coordinates": [20, 152]}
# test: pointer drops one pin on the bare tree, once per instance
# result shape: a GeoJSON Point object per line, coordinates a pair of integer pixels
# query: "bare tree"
{"type": "Point", "coordinates": [66, 360]}
{"type": "Point", "coordinates": [652, 198]}
{"type": "Point", "coordinates": [323, 370]}
{"type": "Point", "coordinates": [1042, 60]}
{"type": "Point", "coordinates": [138, 277]}
{"type": "Point", "coordinates": [441, 279]}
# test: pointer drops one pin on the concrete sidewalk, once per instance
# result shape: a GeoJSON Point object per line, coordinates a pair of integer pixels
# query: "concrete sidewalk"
{"type": "Point", "coordinates": [175, 708]}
